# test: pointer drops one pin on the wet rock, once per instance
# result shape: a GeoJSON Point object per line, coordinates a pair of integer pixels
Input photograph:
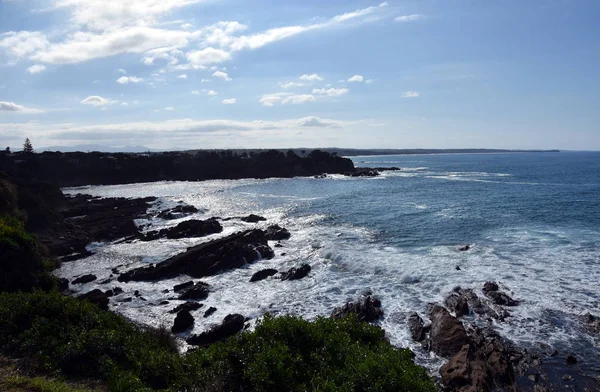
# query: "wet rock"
{"type": "Point", "coordinates": [178, 212]}
{"type": "Point", "coordinates": [231, 325]}
{"type": "Point", "coordinates": [164, 302]}
{"type": "Point", "coordinates": [366, 309]}
{"type": "Point", "coordinates": [464, 248]}
{"type": "Point", "coordinates": [490, 286]}
{"type": "Point", "coordinates": [190, 306]}
{"type": "Point", "coordinates": [276, 233]}
{"type": "Point", "coordinates": [253, 218]}
{"type": "Point", "coordinates": [208, 258]}
{"type": "Point", "coordinates": [186, 229]}
{"type": "Point", "coordinates": [97, 297]}
{"type": "Point", "coordinates": [179, 287]}
{"type": "Point", "coordinates": [63, 284]}
{"type": "Point", "coordinates": [416, 327]}
{"type": "Point", "coordinates": [84, 279]}
{"type": "Point", "coordinates": [571, 360]}
{"type": "Point", "coordinates": [263, 274]}
{"type": "Point", "coordinates": [591, 323]}
{"type": "Point", "coordinates": [198, 291]}
{"type": "Point", "coordinates": [278, 245]}
{"type": "Point", "coordinates": [136, 293]}
{"type": "Point", "coordinates": [117, 290]}
{"type": "Point", "coordinates": [448, 335]}
{"type": "Point", "coordinates": [500, 298]}
{"type": "Point", "coordinates": [362, 172]}
{"type": "Point", "coordinates": [209, 312]}
{"type": "Point", "coordinates": [457, 303]}
{"type": "Point", "coordinates": [76, 256]}
{"type": "Point", "coordinates": [296, 273]}
{"type": "Point", "coordinates": [183, 321]}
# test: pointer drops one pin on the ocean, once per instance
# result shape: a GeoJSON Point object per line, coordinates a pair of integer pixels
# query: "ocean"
{"type": "Point", "coordinates": [533, 220]}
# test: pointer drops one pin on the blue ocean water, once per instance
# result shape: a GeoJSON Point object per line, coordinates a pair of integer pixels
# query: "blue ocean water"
{"type": "Point", "coordinates": [533, 220]}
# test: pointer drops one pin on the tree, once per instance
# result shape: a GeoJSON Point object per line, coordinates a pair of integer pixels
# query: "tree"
{"type": "Point", "coordinates": [27, 147]}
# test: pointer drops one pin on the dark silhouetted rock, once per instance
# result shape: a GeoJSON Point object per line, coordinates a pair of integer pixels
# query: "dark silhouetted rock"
{"type": "Point", "coordinates": [296, 273]}
{"type": "Point", "coordinates": [208, 258]}
{"type": "Point", "coordinates": [186, 229]}
{"type": "Point", "coordinates": [571, 360]}
{"type": "Point", "coordinates": [457, 303]}
{"type": "Point", "coordinates": [490, 286]}
{"type": "Point", "coordinates": [96, 297]}
{"type": "Point", "coordinates": [362, 172]}
{"type": "Point", "coordinates": [178, 212]}
{"type": "Point", "coordinates": [198, 291]}
{"type": "Point", "coordinates": [500, 298]}
{"type": "Point", "coordinates": [416, 327]}
{"type": "Point", "coordinates": [190, 306]}
{"type": "Point", "coordinates": [366, 309]}
{"type": "Point", "coordinates": [591, 323]}
{"type": "Point", "coordinates": [209, 311]}
{"type": "Point", "coordinates": [63, 284]}
{"type": "Point", "coordinates": [447, 333]}
{"type": "Point", "coordinates": [183, 321]}
{"type": "Point", "coordinates": [263, 274]}
{"type": "Point", "coordinates": [464, 248]}
{"type": "Point", "coordinates": [231, 325]}
{"type": "Point", "coordinates": [253, 218]}
{"type": "Point", "coordinates": [117, 290]}
{"type": "Point", "coordinates": [84, 279]}
{"type": "Point", "coordinates": [76, 256]}
{"type": "Point", "coordinates": [179, 287]}
{"type": "Point", "coordinates": [276, 233]}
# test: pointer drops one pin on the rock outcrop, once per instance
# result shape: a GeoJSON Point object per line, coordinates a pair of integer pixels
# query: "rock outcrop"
{"type": "Point", "coordinates": [263, 274]}
{"type": "Point", "coordinates": [183, 321]}
{"type": "Point", "coordinates": [97, 297]}
{"type": "Point", "coordinates": [367, 309]}
{"type": "Point", "coordinates": [231, 325]}
{"type": "Point", "coordinates": [276, 233]}
{"type": "Point", "coordinates": [296, 273]}
{"type": "Point", "coordinates": [186, 229]}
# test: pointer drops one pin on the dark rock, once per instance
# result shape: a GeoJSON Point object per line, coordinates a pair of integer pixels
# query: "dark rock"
{"type": "Point", "coordinates": [178, 287]}
{"type": "Point", "coordinates": [164, 302]}
{"type": "Point", "coordinates": [448, 335]}
{"type": "Point", "coordinates": [109, 293]}
{"type": "Point", "coordinates": [190, 306]}
{"type": "Point", "coordinates": [209, 312]}
{"type": "Point", "coordinates": [263, 274]}
{"type": "Point", "coordinates": [63, 284]}
{"type": "Point", "coordinates": [367, 309]}
{"type": "Point", "coordinates": [128, 299]}
{"type": "Point", "coordinates": [463, 248]}
{"type": "Point", "coordinates": [457, 268]}
{"type": "Point", "coordinates": [106, 281]}
{"type": "Point", "coordinates": [591, 323]}
{"type": "Point", "coordinates": [416, 327]}
{"type": "Point", "coordinates": [276, 233]}
{"type": "Point", "coordinates": [136, 293]}
{"type": "Point", "coordinates": [178, 212]}
{"type": "Point", "coordinates": [278, 245]}
{"type": "Point", "coordinates": [457, 303]}
{"type": "Point", "coordinates": [183, 321]}
{"type": "Point", "coordinates": [500, 298]}
{"type": "Point", "coordinates": [362, 172]}
{"type": "Point", "coordinates": [117, 290]}
{"type": "Point", "coordinates": [186, 229]}
{"type": "Point", "coordinates": [76, 256]}
{"type": "Point", "coordinates": [253, 218]}
{"type": "Point", "coordinates": [96, 297]}
{"type": "Point", "coordinates": [115, 270]}
{"type": "Point", "coordinates": [208, 258]}
{"type": "Point", "coordinates": [198, 292]}
{"type": "Point", "coordinates": [296, 273]}
{"type": "Point", "coordinates": [84, 279]}
{"type": "Point", "coordinates": [571, 360]}
{"type": "Point", "coordinates": [490, 286]}
{"type": "Point", "coordinates": [231, 325]}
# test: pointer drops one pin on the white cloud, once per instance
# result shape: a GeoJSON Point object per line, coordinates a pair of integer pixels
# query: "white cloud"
{"type": "Point", "coordinates": [204, 80]}
{"type": "Point", "coordinates": [222, 75]}
{"type": "Point", "coordinates": [36, 69]}
{"type": "Point", "coordinates": [311, 78]}
{"type": "Point", "coordinates": [212, 93]}
{"type": "Point", "coordinates": [230, 101]}
{"type": "Point", "coordinates": [410, 94]}
{"type": "Point", "coordinates": [270, 100]}
{"type": "Point", "coordinates": [369, 81]}
{"type": "Point", "coordinates": [13, 107]}
{"type": "Point", "coordinates": [201, 58]}
{"type": "Point", "coordinates": [332, 92]}
{"type": "Point", "coordinates": [196, 92]}
{"type": "Point", "coordinates": [23, 43]}
{"type": "Point", "coordinates": [122, 71]}
{"type": "Point", "coordinates": [129, 79]}
{"type": "Point", "coordinates": [183, 76]}
{"type": "Point", "coordinates": [291, 84]}
{"type": "Point", "coordinates": [95, 100]}
{"type": "Point", "coordinates": [169, 108]}
{"type": "Point", "coordinates": [186, 26]}
{"type": "Point", "coordinates": [124, 104]}
{"type": "Point", "coordinates": [298, 99]}
{"type": "Point", "coordinates": [356, 78]}
{"type": "Point", "coordinates": [409, 18]}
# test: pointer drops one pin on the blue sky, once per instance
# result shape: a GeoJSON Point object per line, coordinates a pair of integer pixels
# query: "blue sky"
{"type": "Point", "coordinates": [366, 74]}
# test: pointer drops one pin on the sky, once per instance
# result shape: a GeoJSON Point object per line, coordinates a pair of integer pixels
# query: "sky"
{"type": "Point", "coordinates": [187, 74]}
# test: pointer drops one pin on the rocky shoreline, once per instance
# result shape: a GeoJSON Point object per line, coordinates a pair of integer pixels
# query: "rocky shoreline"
{"type": "Point", "coordinates": [461, 330]}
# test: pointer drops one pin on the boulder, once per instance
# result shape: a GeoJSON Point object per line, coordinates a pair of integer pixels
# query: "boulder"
{"type": "Point", "coordinates": [591, 323]}
{"type": "Point", "coordinates": [63, 284]}
{"type": "Point", "coordinates": [263, 274]}
{"type": "Point", "coordinates": [253, 218]}
{"type": "Point", "coordinates": [231, 325]}
{"type": "Point", "coordinates": [416, 327]}
{"type": "Point", "coordinates": [186, 229]}
{"type": "Point", "coordinates": [183, 321]}
{"type": "Point", "coordinates": [209, 311]}
{"type": "Point", "coordinates": [208, 258]}
{"type": "Point", "coordinates": [296, 273]}
{"type": "Point", "coordinates": [463, 248]}
{"type": "Point", "coordinates": [276, 233]}
{"type": "Point", "coordinates": [198, 291]}
{"type": "Point", "coordinates": [84, 279]}
{"type": "Point", "coordinates": [190, 306]}
{"type": "Point", "coordinates": [97, 297]}
{"type": "Point", "coordinates": [490, 286]}
{"type": "Point", "coordinates": [177, 212]}
{"type": "Point", "coordinates": [447, 333]}
{"type": "Point", "coordinates": [457, 303]}
{"type": "Point", "coordinates": [499, 298]}
{"type": "Point", "coordinates": [366, 309]}
{"type": "Point", "coordinates": [179, 287]}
